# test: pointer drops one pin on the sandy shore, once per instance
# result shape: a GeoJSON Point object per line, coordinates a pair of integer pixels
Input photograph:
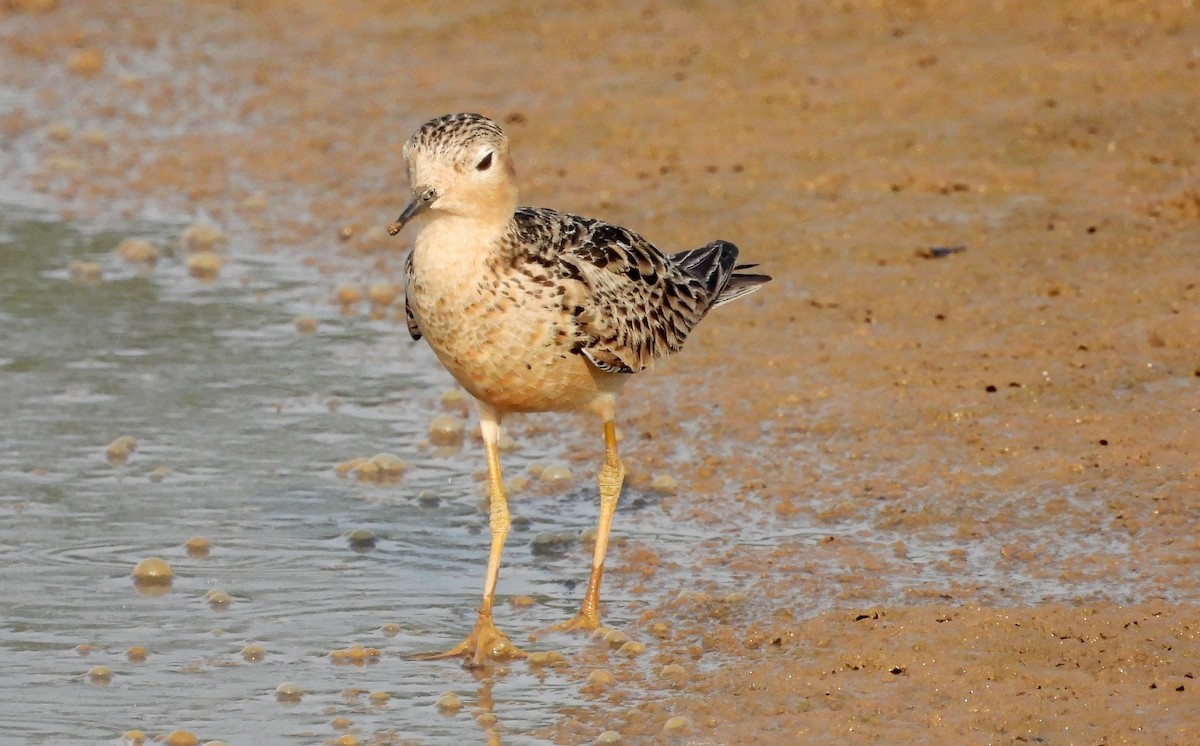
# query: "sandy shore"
{"type": "Point", "coordinates": [987, 461]}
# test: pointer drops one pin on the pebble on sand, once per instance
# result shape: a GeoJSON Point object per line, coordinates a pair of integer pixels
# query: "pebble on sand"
{"type": "Point", "coordinates": [632, 648]}
{"type": "Point", "coordinates": [86, 61]}
{"type": "Point", "coordinates": [117, 452]}
{"type": "Point", "coordinates": [204, 265]}
{"type": "Point", "coordinates": [446, 430]}
{"type": "Point", "coordinates": [599, 680]}
{"type": "Point", "coordinates": [449, 702]}
{"type": "Point", "coordinates": [218, 599]}
{"type": "Point", "coordinates": [361, 539]}
{"type": "Point", "coordinates": [137, 251]}
{"type": "Point", "coordinates": [348, 295]}
{"type": "Point", "coordinates": [100, 674]}
{"type": "Point", "coordinates": [676, 724]}
{"type": "Point", "coordinates": [608, 737]}
{"type": "Point", "coordinates": [454, 398]}
{"type": "Point", "coordinates": [306, 324]}
{"type": "Point", "coordinates": [60, 131]}
{"type": "Point", "coordinates": [84, 272]}
{"type": "Point", "coordinates": [664, 484]}
{"type": "Point", "coordinates": [390, 466]}
{"type": "Point", "coordinates": [152, 571]}
{"type": "Point", "coordinates": [181, 738]}
{"type": "Point", "coordinates": [203, 237]}
{"type": "Point", "coordinates": [288, 692]}
{"type": "Point", "coordinates": [197, 547]}
{"type": "Point", "coordinates": [383, 294]}
{"type": "Point", "coordinates": [555, 475]}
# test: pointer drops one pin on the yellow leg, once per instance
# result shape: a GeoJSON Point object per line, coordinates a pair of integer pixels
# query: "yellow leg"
{"type": "Point", "coordinates": [486, 643]}
{"type": "Point", "coordinates": [612, 475]}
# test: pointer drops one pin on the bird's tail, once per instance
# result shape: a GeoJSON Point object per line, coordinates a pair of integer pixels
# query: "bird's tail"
{"type": "Point", "coordinates": [716, 265]}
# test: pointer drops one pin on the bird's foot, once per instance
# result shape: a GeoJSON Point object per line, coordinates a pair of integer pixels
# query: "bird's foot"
{"type": "Point", "coordinates": [584, 621]}
{"type": "Point", "coordinates": [484, 645]}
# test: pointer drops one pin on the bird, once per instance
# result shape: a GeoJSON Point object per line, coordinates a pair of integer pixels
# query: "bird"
{"type": "Point", "coordinates": [535, 310]}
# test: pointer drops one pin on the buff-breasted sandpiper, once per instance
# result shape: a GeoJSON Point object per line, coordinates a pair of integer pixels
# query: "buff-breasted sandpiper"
{"type": "Point", "coordinates": [533, 310]}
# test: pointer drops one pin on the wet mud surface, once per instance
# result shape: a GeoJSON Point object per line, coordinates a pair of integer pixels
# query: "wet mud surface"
{"type": "Point", "coordinates": [923, 495]}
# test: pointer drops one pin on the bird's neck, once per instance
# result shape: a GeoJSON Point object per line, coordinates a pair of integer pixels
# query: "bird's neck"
{"type": "Point", "coordinates": [457, 244]}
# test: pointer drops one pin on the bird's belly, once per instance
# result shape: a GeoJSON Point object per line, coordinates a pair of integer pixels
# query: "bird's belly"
{"type": "Point", "coordinates": [514, 355]}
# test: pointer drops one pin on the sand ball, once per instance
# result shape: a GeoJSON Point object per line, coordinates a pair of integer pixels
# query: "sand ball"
{"type": "Point", "coordinates": [632, 649]}
{"type": "Point", "coordinates": [134, 737]}
{"type": "Point", "coordinates": [306, 324]}
{"type": "Point", "coordinates": [608, 737]}
{"type": "Point", "coordinates": [181, 738]}
{"type": "Point", "coordinates": [84, 272]}
{"type": "Point", "coordinates": [197, 547]}
{"type": "Point", "coordinates": [340, 723]}
{"type": "Point", "coordinates": [100, 674]}
{"type": "Point", "coordinates": [446, 431]}
{"type": "Point", "coordinates": [383, 293]}
{"type": "Point", "coordinates": [58, 131]}
{"type": "Point", "coordinates": [137, 251]}
{"type": "Point", "coordinates": [203, 237]}
{"type": "Point", "coordinates": [86, 62]}
{"type": "Point", "coordinates": [348, 295]}
{"type": "Point", "coordinates": [136, 654]}
{"type": "Point", "coordinates": [600, 678]}
{"type": "Point", "coordinates": [664, 484]}
{"type": "Point", "coordinates": [256, 201]}
{"type": "Point", "coordinates": [390, 466]}
{"type": "Point", "coordinates": [449, 702]}
{"type": "Point", "coordinates": [556, 475]}
{"type": "Point", "coordinates": [521, 602]}
{"type": "Point", "coordinates": [118, 451]}
{"type": "Point", "coordinates": [253, 653]}
{"type": "Point", "coordinates": [361, 539]}
{"type": "Point", "coordinates": [204, 265]}
{"type": "Point", "coordinates": [676, 724]}
{"type": "Point", "coordinates": [152, 571]}
{"type": "Point", "coordinates": [288, 692]}
{"type": "Point", "coordinates": [615, 638]}
{"type": "Point", "coordinates": [347, 739]}
{"type": "Point", "coordinates": [379, 698]}
{"type": "Point", "coordinates": [218, 599]}
{"type": "Point", "coordinates": [391, 629]}
{"type": "Point", "coordinates": [673, 672]}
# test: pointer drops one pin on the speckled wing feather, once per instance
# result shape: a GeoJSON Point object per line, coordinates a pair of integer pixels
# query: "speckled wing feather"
{"type": "Point", "coordinates": [413, 330]}
{"type": "Point", "coordinates": [630, 303]}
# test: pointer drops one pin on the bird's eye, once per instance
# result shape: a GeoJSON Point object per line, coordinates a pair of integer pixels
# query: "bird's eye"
{"type": "Point", "coordinates": [484, 164]}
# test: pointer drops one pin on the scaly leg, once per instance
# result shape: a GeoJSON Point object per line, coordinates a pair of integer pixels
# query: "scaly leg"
{"type": "Point", "coordinates": [486, 643]}
{"type": "Point", "coordinates": [612, 475]}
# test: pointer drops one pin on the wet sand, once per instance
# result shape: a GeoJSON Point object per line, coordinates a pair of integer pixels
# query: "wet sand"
{"type": "Point", "coordinates": [970, 482]}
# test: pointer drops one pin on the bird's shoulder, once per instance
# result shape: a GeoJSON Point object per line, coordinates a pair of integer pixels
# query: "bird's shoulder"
{"type": "Point", "coordinates": [592, 251]}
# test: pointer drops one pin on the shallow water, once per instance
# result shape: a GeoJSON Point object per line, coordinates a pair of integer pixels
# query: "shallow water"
{"type": "Point", "coordinates": [215, 384]}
